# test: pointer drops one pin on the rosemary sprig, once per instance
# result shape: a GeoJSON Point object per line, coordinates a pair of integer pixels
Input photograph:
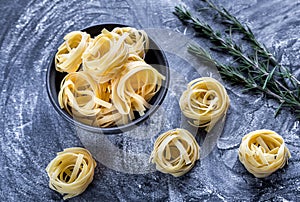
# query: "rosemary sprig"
{"type": "Point", "coordinates": [260, 71]}
{"type": "Point", "coordinates": [235, 24]}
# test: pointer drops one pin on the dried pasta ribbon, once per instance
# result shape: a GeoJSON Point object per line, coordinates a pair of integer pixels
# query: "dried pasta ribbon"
{"type": "Point", "coordinates": [136, 87]}
{"type": "Point", "coordinates": [80, 95]}
{"type": "Point", "coordinates": [175, 152]}
{"type": "Point", "coordinates": [71, 171]}
{"type": "Point", "coordinates": [111, 117]}
{"type": "Point", "coordinates": [68, 56]}
{"type": "Point", "coordinates": [205, 101]}
{"type": "Point", "coordinates": [262, 152]}
{"type": "Point", "coordinates": [137, 40]}
{"type": "Point", "coordinates": [105, 56]}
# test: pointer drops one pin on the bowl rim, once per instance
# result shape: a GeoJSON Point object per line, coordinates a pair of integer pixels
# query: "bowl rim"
{"type": "Point", "coordinates": [115, 129]}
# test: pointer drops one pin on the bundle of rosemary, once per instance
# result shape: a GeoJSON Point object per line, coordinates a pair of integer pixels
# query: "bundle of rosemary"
{"type": "Point", "coordinates": [258, 71]}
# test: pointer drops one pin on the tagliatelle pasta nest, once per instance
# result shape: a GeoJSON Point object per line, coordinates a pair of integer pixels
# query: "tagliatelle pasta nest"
{"type": "Point", "coordinates": [136, 87]}
{"type": "Point", "coordinates": [113, 82]}
{"type": "Point", "coordinates": [136, 39]}
{"type": "Point", "coordinates": [204, 102]}
{"type": "Point", "coordinates": [68, 56]}
{"type": "Point", "coordinates": [262, 152]}
{"type": "Point", "coordinates": [71, 171]}
{"type": "Point", "coordinates": [79, 91]}
{"type": "Point", "coordinates": [175, 152]}
{"type": "Point", "coordinates": [105, 56]}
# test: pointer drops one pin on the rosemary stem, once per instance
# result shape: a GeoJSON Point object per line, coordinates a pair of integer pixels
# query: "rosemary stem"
{"type": "Point", "coordinates": [251, 38]}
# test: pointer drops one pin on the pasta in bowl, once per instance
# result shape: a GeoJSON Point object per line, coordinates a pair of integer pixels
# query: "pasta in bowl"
{"type": "Point", "coordinates": [118, 79]}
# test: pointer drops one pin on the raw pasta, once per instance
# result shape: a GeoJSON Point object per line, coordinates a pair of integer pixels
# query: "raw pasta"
{"type": "Point", "coordinates": [82, 94]}
{"type": "Point", "coordinates": [205, 101]}
{"type": "Point", "coordinates": [68, 56]}
{"type": "Point", "coordinates": [105, 56]}
{"type": "Point", "coordinates": [175, 152]}
{"type": "Point", "coordinates": [71, 171]}
{"type": "Point", "coordinates": [137, 86]}
{"type": "Point", "coordinates": [263, 152]}
{"type": "Point", "coordinates": [137, 40]}
{"type": "Point", "coordinates": [114, 80]}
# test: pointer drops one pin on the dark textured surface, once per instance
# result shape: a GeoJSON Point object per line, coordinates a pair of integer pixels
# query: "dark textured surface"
{"type": "Point", "coordinates": [32, 132]}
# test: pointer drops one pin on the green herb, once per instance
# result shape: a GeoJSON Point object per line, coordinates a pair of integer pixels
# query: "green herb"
{"type": "Point", "coordinates": [259, 71]}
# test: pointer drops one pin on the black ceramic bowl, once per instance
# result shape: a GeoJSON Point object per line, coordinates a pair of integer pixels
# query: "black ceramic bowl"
{"type": "Point", "coordinates": [155, 57]}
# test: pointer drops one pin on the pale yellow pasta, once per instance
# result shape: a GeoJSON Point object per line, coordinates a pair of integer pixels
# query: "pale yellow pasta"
{"type": "Point", "coordinates": [68, 56]}
{"type": "Point", "coordinates": [105, 56]}
{"type": "Point", "coordinates": [80, 95]}
{"type": "Point", "coordinates": [71, 171]}
{"type": "Point", "coordinates": [262, 152]}
{"type": "Point", "coordinates": [175, 152]}
{"type": "Point", "coordinates": [112, 117]}
{"type": "Point", "coordinates": [204, 102]}
{"type": "Point", "coordinates": [114, 80]}
{"type": "Point", "coordinates": [138, 84]}
{"type": "Point", "coordinates": [137, 40]}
